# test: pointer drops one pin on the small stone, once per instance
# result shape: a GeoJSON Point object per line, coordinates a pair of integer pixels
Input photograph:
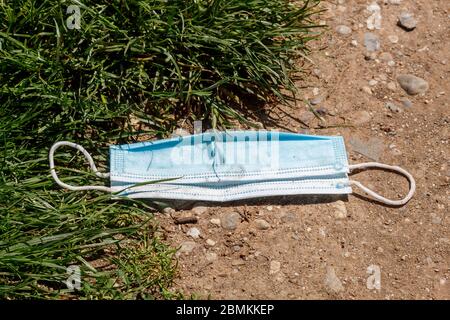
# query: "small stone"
{"type": "Point", "coordinates": [186, 247]}
{"type": "Point", "coordinates": [332, 283]}
{"type": "Point", "coordinates": [386, 56]}
{"type": "Point", "coordinates": [395, 2]}
{"type": "Point", "coordinates": [435, 218]}
{"type": "Point", "coordinates": [315, 91]}
{"type": "Point", "coordinates": [215, 221]}
{"type": "Point", "coordinates": [322, 111]}
{"type": "Point", "coordinates": [391, 86]}
{"type": "Point", "coordinates": [168, 210]}
{"type": "Point", "coordinates": [237, 262]}
{"type": "Point", "coordinates": [372, 42]}
{"type": "Point", "coordinates": [262, 224]}
{"type": "Point", "coordinates": [380, 250]}
{"type": "Point", "coordinates": [288, 217]}
{"type": "Point", "coordinates": [211, 256]}
{"type": "Point", "coordinates": [230, 221]}
{"type": "Point", "coordinates": [210, 242]}
{"type": "Point", "coordinates": [306, 117]}
{"type": "Point", "coordinates": [373, 82]}
{"type": "Point", "coordinates": [407, 21]}
{"type": "Point", "coordinates": [340, 210]}
{"type": "Point", "coordinates": [193, 232]}
{"type": "Point", "coordinates": [275, 267]}
{"type": "Point", "coordinates": [316, 100]}
{"type": "Point", "coordinates": [412, 85]}
{"type": "Point", "coordinates": [269, 208]}
{"type": "Point", "coordinates": [393, 107]}
{"type": "Point", "coordinates": [317, 73]}
{"type": "Point", "coordinates": [343, 30]}
{"type": "Point", "coordinates": [406, 102]}
{"type": "Point", "coordinates": [366, 90]}
{"type": "Point", "coordinates": [374, 20]}
{"type": "Point", "coordinates": [198, 211]}
{"type": "Point", "coordinates": [354, 43]}
{"type": "Point", "coordinates": [236, 248]}
{"type": "Point", "coordinates": [361, 117]}
{"type": "Point", "coordinates": [370, 56]}
{"type": "Point", "coordinates": [391, 63]}
{"type": "Point", "coordinates": [393, 38]}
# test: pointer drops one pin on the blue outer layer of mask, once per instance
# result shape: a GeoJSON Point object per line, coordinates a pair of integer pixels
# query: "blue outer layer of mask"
{"type": "Point", "coordinates": [223, 166]}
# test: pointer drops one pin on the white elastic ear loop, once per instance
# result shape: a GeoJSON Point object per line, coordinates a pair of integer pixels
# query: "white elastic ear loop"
{"type": "Point", "coordinates": [412, 182]}
{"type": "Point", "coordinates": [91, 163]}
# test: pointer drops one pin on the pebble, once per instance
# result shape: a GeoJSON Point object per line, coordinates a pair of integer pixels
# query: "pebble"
{"type": "Point", "coordinates": [366, 90]}
{"type": "Point", "coordinates": [361, 117]}
{"type": "Point", "coordinates": [370, 56]}
{"type": "Point", "coordinates": [391, 86]}
{"type": "Point", "coordinates": [230, 221]}
{"type": "Point", "coordinates": [386, 56]}
{"type": "Point", "coordinates": [391, 63]}
{"type": "Point", "coordinates": [186, 247]}
{"type": "Point", "coordinates": [237, 262]}
{"type": "Point", "coordinates": [406, 21]}
{"type": "Point", "coordinates": [275, 267]}
{"type": "Point", "coordinates": [374, 20]}
{"type": "Point", "coordinates": [393, 38]}
{"type": "Point", "coordinates": [316, 100]}
{"type": "Point", "coordinates": [315, 91]}
{"type": "Point", "coordinates": [435, 218]}
{"type": "Point", "coordinates": [210, 242]}
{"type": "Point", "coordinates": [306, 117]}
{"type": "Point", "coordinates": [340, 210]}
{"type": "Point", "coordinates": [412, 85]}
{"type": "Point", "coordinates": [288, 217]}
{"type": "Point", "coordinates": [395, 2]}
{"type": "Point", "coordinates": [343, 30]}
{"type": "Point", "coordinates": [372, 42]}
{"type": "Point", "coordinates": [373, 82]}
{"type": "Point", "coordinates": [406, 102]}
{"type": "Point", "coordinates": [393, 107]}
{"type": "Point", "coordinates": [332, 282]}
{"type": "Point", "coordinates": [354, 43]}
{"type": "Point", "coordinates": [317, 72]}
{"type": "Point", "coordinates": [262, 224]}
{"type": "Point", "coordinates": [193, 232]}
{"type": "Point", "coordinates": [168, 210]}
{"type": "Point", "coordinates": [199, 210]}
{"type": "Point", "coordinates": [211, 256]}
{"type": "Point", "coordinates": [215, 221]}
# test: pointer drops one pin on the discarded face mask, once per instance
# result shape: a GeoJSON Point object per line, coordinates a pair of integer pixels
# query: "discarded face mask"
{"type": "Point", "coordinates": [231, 165]}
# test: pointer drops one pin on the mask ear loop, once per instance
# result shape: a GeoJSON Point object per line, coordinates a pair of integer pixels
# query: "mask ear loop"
{"type": "Point", "coordinates": [412, 182]}
{"type": "Point", "coordinates": [91, 163]}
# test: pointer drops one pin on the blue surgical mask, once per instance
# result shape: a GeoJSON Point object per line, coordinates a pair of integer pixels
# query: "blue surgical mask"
{"type": "Point", "coordinates": [232, 165]}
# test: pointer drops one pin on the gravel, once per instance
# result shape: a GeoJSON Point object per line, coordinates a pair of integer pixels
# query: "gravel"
{"type": "Point", "coordinates": [230, 221]}
{"type": "Point", "coordinates": [275, 267]}
{"type": "Point", "coordinates": [406, 21]}
{"type": "Point", "coordinates": [343, 30]}
{"type": "Point", "coordinates": [332, 283]}
{"type": "Point", "coordinates": [262, 224]}
{"type": "Point", "coordinates": [411, 84]}
{"type": "Point", "coordinates": [193, 232]}
{"type": "Point", "coordinates": [372, 42]}
{"type": "Point", "coordinates": [186, 248]}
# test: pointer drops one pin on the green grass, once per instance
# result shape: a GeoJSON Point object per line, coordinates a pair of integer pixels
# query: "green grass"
{"type": "Point", "coordinates": [134, 68]}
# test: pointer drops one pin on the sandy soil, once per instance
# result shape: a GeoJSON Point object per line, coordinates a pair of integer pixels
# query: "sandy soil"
{"type": "Point", "coordinates": [314, 247]}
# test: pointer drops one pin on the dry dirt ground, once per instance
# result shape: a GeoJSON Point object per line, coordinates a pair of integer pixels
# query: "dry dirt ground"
{"type": "Point", "coordinates": [329, 248]}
